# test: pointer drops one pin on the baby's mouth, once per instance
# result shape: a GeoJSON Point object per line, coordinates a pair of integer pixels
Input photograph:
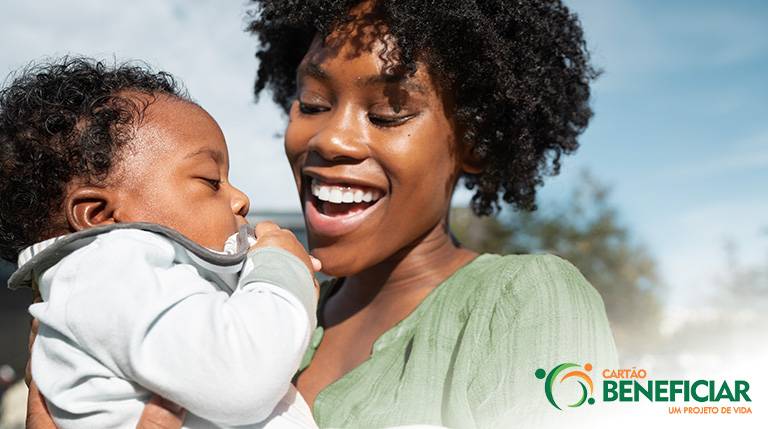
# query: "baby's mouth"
{"type": "Point", "coordinates": [339, 200]}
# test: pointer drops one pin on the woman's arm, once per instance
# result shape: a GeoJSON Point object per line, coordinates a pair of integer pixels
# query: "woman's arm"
{"type": "Point", "coordinates": [37, 413]}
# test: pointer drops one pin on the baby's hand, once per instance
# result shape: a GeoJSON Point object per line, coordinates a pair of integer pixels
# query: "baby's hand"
{"type": "Point", "coordinates": [269, 234]}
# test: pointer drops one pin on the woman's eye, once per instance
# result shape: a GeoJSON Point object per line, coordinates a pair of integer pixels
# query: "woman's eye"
{"type": "Point", "coordinates": [311, 109]}
{"type": "Point", "coordinates": [388, 121]}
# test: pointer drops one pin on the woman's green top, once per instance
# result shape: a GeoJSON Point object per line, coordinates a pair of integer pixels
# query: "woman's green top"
{"type": "Point", "coordinates": [467, 355]}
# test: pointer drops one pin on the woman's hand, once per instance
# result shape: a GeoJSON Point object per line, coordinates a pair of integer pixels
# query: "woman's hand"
{"type": "Point", "coordinates": [158, 413]}
{"type": "Point", "coordinates": [161, 414]}
{"type": "Point", "coordinates": [37, 412]}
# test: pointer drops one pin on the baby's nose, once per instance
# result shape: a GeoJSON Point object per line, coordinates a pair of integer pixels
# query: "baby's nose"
{"type": "Point", "coordinates": [240, 203]}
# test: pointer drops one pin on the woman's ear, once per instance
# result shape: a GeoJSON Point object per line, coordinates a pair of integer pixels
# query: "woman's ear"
{"type": "Point", "coordinates": [470, 163]}
{"type": "Point", "coordinates": [89, 206]}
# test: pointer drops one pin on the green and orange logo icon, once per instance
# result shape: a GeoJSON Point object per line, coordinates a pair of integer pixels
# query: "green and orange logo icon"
{"type": "Point", "coordinates": [564, 372]}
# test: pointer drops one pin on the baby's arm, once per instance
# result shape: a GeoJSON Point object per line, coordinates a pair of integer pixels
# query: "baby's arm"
{"type": "Point", "coordinates": [228, 359]}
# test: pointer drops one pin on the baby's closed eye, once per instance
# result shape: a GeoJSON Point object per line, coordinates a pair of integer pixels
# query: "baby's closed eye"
{"type": "Point", "coordinates": [213, 183]}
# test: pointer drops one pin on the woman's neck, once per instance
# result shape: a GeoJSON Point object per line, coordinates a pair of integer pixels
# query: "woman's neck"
{"type": "Point", "coordinates": [416, 269]}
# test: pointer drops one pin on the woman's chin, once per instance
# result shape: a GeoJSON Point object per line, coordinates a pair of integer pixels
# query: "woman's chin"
{"type": "Point", "coordinates": [334, 269]}
{"type": "Point", "coordinates": [336, 262]}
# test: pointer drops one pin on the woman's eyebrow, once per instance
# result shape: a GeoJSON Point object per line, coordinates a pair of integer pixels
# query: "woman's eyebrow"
{"type": "Point", "coordinates": [313, 70]}
{"type": "Point", "coordinates": [400, 80]}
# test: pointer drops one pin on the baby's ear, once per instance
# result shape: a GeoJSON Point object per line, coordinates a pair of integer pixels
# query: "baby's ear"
{"type": "Point", "coordinates": [89, 206]}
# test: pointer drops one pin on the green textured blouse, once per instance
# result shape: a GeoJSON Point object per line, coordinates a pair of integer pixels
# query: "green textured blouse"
{"type": "Point", "coordinates": [466, 356]}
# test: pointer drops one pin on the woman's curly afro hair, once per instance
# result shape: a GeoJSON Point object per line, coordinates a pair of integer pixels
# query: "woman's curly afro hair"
{"type": "Point", "coordinates": [518, 69]}
{"type": "Point", "coordinates": [62, 120]}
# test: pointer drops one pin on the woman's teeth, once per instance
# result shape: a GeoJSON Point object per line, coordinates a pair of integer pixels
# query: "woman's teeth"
{"type": "Point", "coordinates": [344, 194]}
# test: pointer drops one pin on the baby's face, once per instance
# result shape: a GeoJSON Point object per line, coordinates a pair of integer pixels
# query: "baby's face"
{"type": "Point", "coordinates": [174, 173]}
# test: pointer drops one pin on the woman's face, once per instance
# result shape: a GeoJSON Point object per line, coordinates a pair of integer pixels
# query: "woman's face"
{"type": "Point", "coordinates": [374, 157]}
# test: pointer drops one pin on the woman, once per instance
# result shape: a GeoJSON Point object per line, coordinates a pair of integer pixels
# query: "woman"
{"type": "Point", "coordinates": [390, 104]}
{"type": "Point", "coordinates": [401, 100]}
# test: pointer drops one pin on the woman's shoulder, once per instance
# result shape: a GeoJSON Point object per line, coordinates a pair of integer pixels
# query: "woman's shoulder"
{"type": "Point", "coordinates": [545, 300]}
{"type": "Point", "coordinates": [536, 282]}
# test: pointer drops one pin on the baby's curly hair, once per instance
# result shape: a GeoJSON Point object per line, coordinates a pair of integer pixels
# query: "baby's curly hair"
{"type": "Point", "coordinates": [62, 120]}
{"type": "Point", "coordinates": [519, 71]}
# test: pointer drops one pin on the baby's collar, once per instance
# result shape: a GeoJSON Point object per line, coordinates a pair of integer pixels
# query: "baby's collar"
{"type": "Point", "coordinates": [43, 255]}
{"type": "Point", "coordinates": [27, 254]}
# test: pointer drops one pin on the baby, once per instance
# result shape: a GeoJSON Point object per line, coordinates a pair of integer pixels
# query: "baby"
{"type": "Point", "coordinates": [114, 195]}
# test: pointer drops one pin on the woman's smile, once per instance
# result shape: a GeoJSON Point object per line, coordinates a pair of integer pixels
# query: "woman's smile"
{"type": "Point", "coordinates": [337, 206]}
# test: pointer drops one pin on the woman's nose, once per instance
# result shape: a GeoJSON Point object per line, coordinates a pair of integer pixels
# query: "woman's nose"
{"type": "Point", "coordinates": [342, 138]}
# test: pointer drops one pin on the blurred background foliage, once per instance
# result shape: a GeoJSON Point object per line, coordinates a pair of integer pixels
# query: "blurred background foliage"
{"type": "Point", "coordinates": [586, 230]}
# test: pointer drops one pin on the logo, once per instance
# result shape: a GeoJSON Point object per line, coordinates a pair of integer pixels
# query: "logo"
{"type": "Point", "coordinates": [581, 377]}
{"type": "Point", "coordinates": [570, 380]}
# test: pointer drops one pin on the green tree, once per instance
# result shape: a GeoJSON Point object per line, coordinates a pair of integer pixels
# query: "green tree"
{"type": "Point", "coordinates": [585, 229]}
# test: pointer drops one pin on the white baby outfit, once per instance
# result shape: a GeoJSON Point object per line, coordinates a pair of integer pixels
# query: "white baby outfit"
{"type": "Point", "coordinates": [136, 309]}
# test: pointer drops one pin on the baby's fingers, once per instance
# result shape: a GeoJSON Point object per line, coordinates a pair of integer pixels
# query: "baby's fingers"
{"type": "Point", "coordinates": [264, 227]}
{"type": "Point", "coordinates": [316, 264]}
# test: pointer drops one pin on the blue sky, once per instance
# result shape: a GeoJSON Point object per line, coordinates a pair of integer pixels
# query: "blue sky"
{"type": "Point", "coordinates": [680, 132]}
{"type": "Point", "coordinates": [681, 129]}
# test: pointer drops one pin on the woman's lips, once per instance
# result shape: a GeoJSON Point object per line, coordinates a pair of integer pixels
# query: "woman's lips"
{"type": "Point", "coordinates": [334, 210]}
